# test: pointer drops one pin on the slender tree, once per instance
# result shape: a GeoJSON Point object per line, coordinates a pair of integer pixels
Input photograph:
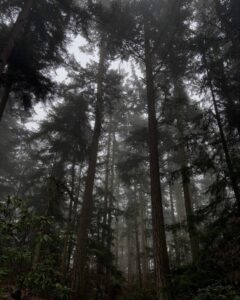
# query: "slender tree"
{"type": "Point", "coordinates": [78, 283]}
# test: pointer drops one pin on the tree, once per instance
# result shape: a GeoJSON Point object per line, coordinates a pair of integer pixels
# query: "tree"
{"type": "Point", "coordinates": [32, 46]}
{"type": "Point", "coordinates": [16, 31]}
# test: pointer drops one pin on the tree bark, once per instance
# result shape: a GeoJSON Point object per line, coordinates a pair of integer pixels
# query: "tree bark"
{"type": "Point", "coordinates": [175, 237]}
{"type": "Point", "coordinates": [117, 227]}
{"type": "Point", "coordinates": [106, 191]}
{"type": "Point", "coordinates": [162, 269]}
{"type": "Point", "coordinates": [74, 217]}
{"type": "Point", "coordinates": [15, 34]}
{"type": "Point", "coordinates": [138, 254]}
{"type": "Point", "coordinates": [130, 254]}
{"type": "Point", "coordinates": [189, 207]}
{"type": "Point", "coordinates": [111, 196]}
{"type": "Point", "coordinates": [143, 240]}
{"type": "Point", "coordinates": [232, 175]}
{"type": "Point", "coordinates": [4, 97]}
{"type": "Point", "coordinates": [79, 276]}
{"type": "Point", "coordinates": [69, 223]}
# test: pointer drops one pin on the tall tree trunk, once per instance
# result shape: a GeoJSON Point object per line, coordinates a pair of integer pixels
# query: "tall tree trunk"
{"type": "Point", "coordinates": [177, 191]}
{"type": "Point", "coordinates": [4, 97]}
{"type": "Point", "coordinates": [130, 256]}
{"type": "Point", "coordinates": [79, 275]}
{"type": "Point", "coordinates": [69, 223]}
{"type": "Point", "coordinates": [175, 237]}
{"type": "Point", "coordinates": [111, 195]}
{"type": "Point", "coordinates": [159, 237]}
{"type": "Point", "coordinates": [74, 216]}
{"type": "Point", "coordinates": [181, 216]}
{"type": "Point", "coordinates": [15, 34]}
{"type": "Point", "coordinates": [106, 191]}
{"type": "Point", "coordinates": [232, 175]}
{"type": "Point", "coordinates": [101, 265]}
{"type": "Point", "coordinates": [143, 239]}
{"type": "Point", "coordinates": [179, 95]}
{"type": "Point", "coordinates": [117, 227]}
{"type": "Point", "coordinates": [188, 206]}
{"type": "Point", "coordinates": [138, 254]}
{"type": "Point", "coordinates": [231, 106]}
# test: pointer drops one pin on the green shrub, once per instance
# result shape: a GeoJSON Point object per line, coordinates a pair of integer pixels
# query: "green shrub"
{"type": "Point", "coordinates": [217, 292]}
{"type": "Point", "coordinates": [45, 281]}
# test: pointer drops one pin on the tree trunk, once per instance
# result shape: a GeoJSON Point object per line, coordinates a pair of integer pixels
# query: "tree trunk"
{"type": "Point", "coordinates": [74, 217]}
{"type": "Point", "coordinates": [79, 276]}
{"type": "Point", "coordinates": [143, 240]}
{"type": "Point", "coordinates": [138, 254]}
{"type": "Point", "coordinates": [130, 256]}
{"type": "Point", "coordinates": [232, 175]}
{"type": "Point", "coordinates": [175, 237]}
{"type": "Point", "coordinates": [106, 191]}
{"type": "Point", "coordinates": [15, 34]}
{"type": "Point", "coordinates": [231, 106]}
{"type": "Point", "coordinates": [181, 216]}
{"type": "Point", "coordinates": [117, 227]}
{"type": "Point", "coordinates": [4, 97]}
{"type": "Point", "coordinates": [159, 237]}
{"type": "Point", "coordinates": [69, 224]}
{"type": "Point", "coordinates": [111, 196]}
{"type": "Point", "coordinates": [179, 94]}
{"type": "Point", "coordinates": [101, 265]}
{"type": "Point", "coordinates": [189, 208]}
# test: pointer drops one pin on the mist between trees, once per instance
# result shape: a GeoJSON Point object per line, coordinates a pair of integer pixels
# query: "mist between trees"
{"type": "Point", "coordinates": [128, 188]}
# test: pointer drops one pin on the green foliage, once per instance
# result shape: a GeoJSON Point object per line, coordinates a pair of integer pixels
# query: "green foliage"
{"type": "Point", "coordinates": [44, 280]}
{"type": "Point", "coordinates": [20, 231]}
{"type": "Point", "coordinates": [15, 224]}
{"type": "Point", "coordinates": [217, 292]}
{"type": "Point", "coordinates": [204, 279]}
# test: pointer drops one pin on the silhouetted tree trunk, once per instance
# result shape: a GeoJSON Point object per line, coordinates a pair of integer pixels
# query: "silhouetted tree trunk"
{"type": "Point", "coordinates": [138, 254]}
{"type": "Point", "coordinates": [177, 191]}
{"type": "Point", "coordinates": [111, 194]}
{"type": "Point", "coordinates": [101, 264]}
{"type": "Point", "coordinates": [180, 95]}
{"type": "Point", "coordinates": [188, 206]}
{"type": "Point", "coordinates": [69, 222]}
{"type": "Point", "coordinates": [106, 191]}
{"type": "Point", "coordinates": [175, 237]}
{"type": "Point", "coordinates": [130, 253]}
{"type": "Point", "coordinates": [15, 34]}
{"type": "Point", "coordinates": [79, 276]}
{"type": "Point", "coordinates": [4, 95]}
{"type": "Point", "coordinates": [159, 238]}
{"type": "Point", "coordinates": [74, 215]}
{"type": "Point", "coordinates": [143, 239]}
{"type": "Point", "coordinates": [232, 175]}
{"type": "Point", "coordinates": [117, 229]}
